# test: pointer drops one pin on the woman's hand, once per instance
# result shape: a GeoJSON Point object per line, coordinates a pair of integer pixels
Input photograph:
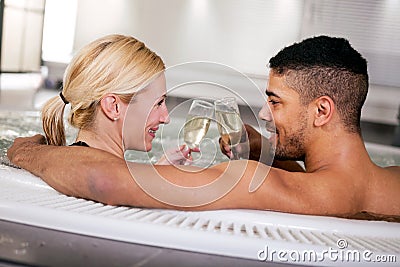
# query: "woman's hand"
{"type": "Point", "coordinates": [16, 151]}
{"type": "Point", "coordinates": [180, 156]}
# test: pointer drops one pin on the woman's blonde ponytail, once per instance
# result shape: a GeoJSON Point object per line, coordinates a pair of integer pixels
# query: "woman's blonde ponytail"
{"type": "Point", "coordinates": [53, 123]}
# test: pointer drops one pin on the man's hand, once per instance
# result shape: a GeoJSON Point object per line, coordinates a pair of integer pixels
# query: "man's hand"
{"type": "Point", "coordinates": [254, 143]}
{"type": "Point", "coordinates": [21, 143]}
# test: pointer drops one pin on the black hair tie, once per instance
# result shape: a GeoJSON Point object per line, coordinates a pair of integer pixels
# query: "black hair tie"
{"type": "Point", "coordinates": [63, 99]}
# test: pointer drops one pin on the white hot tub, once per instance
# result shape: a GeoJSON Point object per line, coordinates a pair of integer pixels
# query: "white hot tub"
{"type": "Point", "coordinates": [260, 237]}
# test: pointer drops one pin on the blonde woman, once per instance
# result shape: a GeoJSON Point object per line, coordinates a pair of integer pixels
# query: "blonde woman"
{"type": "Point", "coordinates": [116, 88]}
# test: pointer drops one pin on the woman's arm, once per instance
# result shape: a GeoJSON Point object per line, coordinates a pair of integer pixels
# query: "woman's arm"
{"type": "Point", "coordinates": [95, 174]}
{"type": "Point", "coordinates": [98, 175]}
{"type": "Point", "coordinates": [69, 170]}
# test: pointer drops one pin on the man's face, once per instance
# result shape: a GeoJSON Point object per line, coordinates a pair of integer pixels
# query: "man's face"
{"type": "Point", "coordinates": [290, 118]}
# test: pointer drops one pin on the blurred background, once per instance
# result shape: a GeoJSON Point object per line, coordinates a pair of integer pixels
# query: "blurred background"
{"type": "Point", "coordinates": [39, 38]}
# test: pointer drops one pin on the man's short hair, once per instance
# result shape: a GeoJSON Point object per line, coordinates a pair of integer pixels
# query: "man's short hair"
{"type": "Point", "coordinates": [327, 66]}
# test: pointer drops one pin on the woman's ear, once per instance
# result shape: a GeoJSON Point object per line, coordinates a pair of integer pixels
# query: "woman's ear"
{"type": "Point", "coordinates": [324, 109]}
{"type": "Point", "coordinates": [110, 105]}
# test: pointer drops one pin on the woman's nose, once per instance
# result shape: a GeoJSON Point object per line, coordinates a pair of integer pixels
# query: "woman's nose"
{"type": "Point", "coordinates": [164, 118]}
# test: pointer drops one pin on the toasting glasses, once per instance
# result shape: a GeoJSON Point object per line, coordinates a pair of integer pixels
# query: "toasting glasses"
{"type": "Point", "coordinates": [230, 125]}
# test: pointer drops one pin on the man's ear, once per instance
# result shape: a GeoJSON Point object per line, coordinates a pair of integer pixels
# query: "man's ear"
{"type": "Point", "coordinates": [324, 108]}
{"type": "Point", "coordinates": [110, 105]}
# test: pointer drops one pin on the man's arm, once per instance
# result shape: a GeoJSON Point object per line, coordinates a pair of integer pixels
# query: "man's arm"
{"type": "Point", "coordinates": [98, 175]}
{"type": "Point", "coordinates": [255, 142]}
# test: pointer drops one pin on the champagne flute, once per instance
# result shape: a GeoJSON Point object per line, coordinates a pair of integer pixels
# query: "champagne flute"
{"type": "Point", "coordinates": [197, 122]}
{"type": "Point", "coordinates": [230, 124]}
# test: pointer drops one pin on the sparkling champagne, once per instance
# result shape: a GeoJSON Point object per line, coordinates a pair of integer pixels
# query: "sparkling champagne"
{"type": "Point", "coordinates": [195, 129]}
{"type": "Point", "coordinates": [229, 125]}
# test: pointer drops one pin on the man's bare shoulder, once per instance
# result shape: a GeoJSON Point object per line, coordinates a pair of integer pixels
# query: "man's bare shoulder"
{"type": "Point", "coordinates": [325, 176]}
{"type": "Point", "coordinates": [395, 170]}
{"type": "Point", "coordinates": [323, 192]}
{"type": "Point", "coordinates": [386, 178]}
{"type": "Point", "coordinates": [382, 194]}
{"type": "Point", "coordinates": [371, 188]}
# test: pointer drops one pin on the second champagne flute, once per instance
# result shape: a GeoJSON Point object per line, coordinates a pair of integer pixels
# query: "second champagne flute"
{"type": "Point", "coordinates": [230, 124]}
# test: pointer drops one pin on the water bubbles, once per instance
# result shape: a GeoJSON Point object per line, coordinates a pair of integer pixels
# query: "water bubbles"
{"type": "Point", "coordinates": [5, 239]}
{"type": "Point", "coordinates": [22, 250]}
